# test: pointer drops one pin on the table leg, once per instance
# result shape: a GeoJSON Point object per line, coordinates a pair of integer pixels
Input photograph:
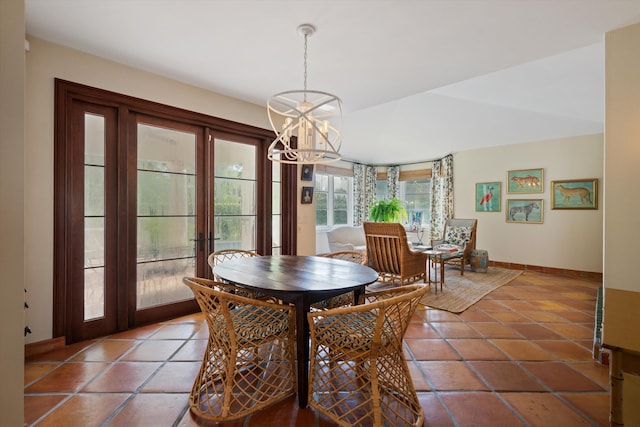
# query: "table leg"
{"type": "Point", "coordinates": [441, 272]}
{"type": "Point", "coordinates": [302, 349]}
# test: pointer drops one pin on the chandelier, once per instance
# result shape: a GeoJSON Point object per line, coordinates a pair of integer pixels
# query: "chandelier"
{"type": "Point", "coordinates": [312, 116]}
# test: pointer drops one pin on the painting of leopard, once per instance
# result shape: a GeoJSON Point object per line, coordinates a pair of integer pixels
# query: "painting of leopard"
{"type": "Point", "coordinates": [568, 192]}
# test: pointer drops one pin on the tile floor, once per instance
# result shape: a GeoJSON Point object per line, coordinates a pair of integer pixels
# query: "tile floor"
{"type": "Point", "coordinates": [519, 357]}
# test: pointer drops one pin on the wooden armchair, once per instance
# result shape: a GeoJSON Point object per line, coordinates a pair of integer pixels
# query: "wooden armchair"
{"type": "Point", "coordinates": [358, 374]}
{"type": "Point", "coordinates": [249, 362]}
{"type": "Point", "coordinates": [460, 233]}
{"type": "Point", "coordinates": [389, 254]}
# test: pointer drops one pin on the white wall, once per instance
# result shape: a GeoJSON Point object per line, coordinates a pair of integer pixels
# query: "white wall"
{"type": "Point", "coordinates": [12, 120]}
{"type": "Point", "coordinates": [46, 61]}
{"type": "Point", "coordinates": [567, 239]}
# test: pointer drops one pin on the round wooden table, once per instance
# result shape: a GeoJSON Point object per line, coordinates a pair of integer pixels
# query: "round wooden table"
{"type": "Point", "coordinates": [302, 281]}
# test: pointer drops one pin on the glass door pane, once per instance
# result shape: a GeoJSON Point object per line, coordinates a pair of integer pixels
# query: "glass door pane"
{"type": "Point", "coordinates": [166, 194]}
{"type": "Point", "coordinates": [234, 220]}
{"type": "Point", "coordinates": [94, 216]}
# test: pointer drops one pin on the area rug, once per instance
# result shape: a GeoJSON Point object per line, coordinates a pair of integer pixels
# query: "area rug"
{"type": "Point", "coordinates": [461, 292]}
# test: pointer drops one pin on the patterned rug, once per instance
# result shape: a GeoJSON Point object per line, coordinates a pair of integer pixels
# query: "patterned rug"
{"type": "Point", "coordinates": [461, 292]}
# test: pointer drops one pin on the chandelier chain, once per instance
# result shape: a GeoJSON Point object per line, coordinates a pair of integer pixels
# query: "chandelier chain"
{"type": "Point", "coordinates": [305, 65]}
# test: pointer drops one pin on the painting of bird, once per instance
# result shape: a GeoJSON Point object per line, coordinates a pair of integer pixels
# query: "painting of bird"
{"type": "Point", "coordinates": [486, 199]}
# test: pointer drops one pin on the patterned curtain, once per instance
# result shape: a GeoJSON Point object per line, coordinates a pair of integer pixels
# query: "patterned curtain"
{"type": "Point", "coordinates": [364, 192]}
{"type": "Point", "coordinates": [393, 181]}
{"type": "Point", "coordinates": [441, 195]}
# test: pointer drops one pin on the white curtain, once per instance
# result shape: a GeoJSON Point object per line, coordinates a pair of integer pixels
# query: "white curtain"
{"type": "Point", "coordinates": [364, 192]}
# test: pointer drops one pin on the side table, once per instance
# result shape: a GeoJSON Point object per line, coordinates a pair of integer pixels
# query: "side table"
{"type": "Point", "coordinates": [435, 260]}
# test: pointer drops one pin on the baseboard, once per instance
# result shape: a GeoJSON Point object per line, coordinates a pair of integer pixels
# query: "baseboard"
{"type": "Point", "coordinates": [40, 347]}
{"type": "Point", "coordinates": [589, 275]}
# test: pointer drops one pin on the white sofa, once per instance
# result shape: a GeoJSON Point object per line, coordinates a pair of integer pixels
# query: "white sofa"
{"type": "Point", "coordinates": [346, 238]}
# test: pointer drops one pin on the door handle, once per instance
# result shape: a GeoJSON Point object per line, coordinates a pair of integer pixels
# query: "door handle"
{"type": "Point", "coordinates": [200, 241]}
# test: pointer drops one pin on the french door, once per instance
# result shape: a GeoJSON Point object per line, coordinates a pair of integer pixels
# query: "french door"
{"type": "Point", "coordinates": [142, 199]}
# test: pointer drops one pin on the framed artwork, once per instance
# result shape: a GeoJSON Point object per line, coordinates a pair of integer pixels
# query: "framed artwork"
{"type": "Point", "coordinates": [307, 195]}
{"type": "Point", "coordinates": [488, 196]}
{"type": "Point", "coordinates": [574, 194]}
{"type": "Point", "coordinates": [525, 181]}
{"type": "Point", "coordinates": [307, 173]}
{"type": "Point", "coordinates": [525, 211]}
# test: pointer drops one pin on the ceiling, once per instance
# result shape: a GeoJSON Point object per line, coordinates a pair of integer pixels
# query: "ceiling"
{"type": "Point", "coordinates": [418, 79]}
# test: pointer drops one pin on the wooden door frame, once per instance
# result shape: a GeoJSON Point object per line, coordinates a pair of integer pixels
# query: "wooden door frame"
{"type": "Point", "coordinates": [66, 93]}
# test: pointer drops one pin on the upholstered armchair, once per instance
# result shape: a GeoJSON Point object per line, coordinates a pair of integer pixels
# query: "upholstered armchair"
{"type": "Point", "coordinates": [460, 234]}
{"type": "Point", "coordinates": [389, 254]}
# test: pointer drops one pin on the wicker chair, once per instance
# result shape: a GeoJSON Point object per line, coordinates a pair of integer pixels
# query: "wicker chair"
{"type": "Point", "coordinates": [358, 257]}
{"type": "Point", "coordinates": [223, 255]}
{"type": "Point", "coordinates": [249, 362]}
{"type": "Point", "coordinates": [358, 374]}
{"type": "Point", "coordinates": [460, 233]}
{"type": "Point", "coordinates": [389, 254]}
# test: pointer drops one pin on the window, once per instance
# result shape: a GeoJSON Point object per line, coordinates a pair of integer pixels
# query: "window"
{"type": "Point", "coordinates": [416, 198]}
{"type": "Point", "coordinates": [334, 200]}
{"type": "Point", "coordinates": [416, 195]}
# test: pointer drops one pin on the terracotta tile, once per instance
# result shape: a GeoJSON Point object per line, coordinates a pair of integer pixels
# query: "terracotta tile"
{"type": "Point", "coordinates": [87, 410]}
{"type": "Point", "coordinates": [580, 305]}
{"type": "Point", "coordinates": [522, 350]}
{"type": "Point", "coordinates": [190, 420]}
{"type": "Point", "coordinates": [533, 331]}
{"type": "Point", "coordinates": [560, 377]}
{"type": "Point", "coordinates": [434, 315]}
{"type": "Point", "coordinates": [489, 306]}
{"type": "Point", "coordinates": [419, 381]}
{"type": "Point", "coordinates": [455, 330]}
{"type": "Point", "coordinates": [151, 409]}
{"type": "Point", "coordinates": [189, 318]}
{"type": "Point", "coordinates": [202, 334]}
{"type": "Point", "coordinates": [593, 370]}
{"type": "Point", "coordinates": [421, 330]}
{"type": "Point", "coordinates": [192, 350]}
{"type": "Point", "coordinates": [173, 377]}
{"type": "Point", "coordinates": [543, 316]}
{"type": "Point", "coordinates": [153, 350]}
{"type": "Point", "coordinates": [285, 413]}
{"type": "Point", "coordinates": [594, 406]}
{"type": "Point", "coordinates": [506, 376]}
{"type": "Point", "coordinates": [476, 349]}
{"type": "Point", "coordinates": [519, 305]}
{"type": "Point", "coordinates": [430, 349]}
{"type": "Point", "coordinates": [571, 331]}
{"type": "Point", "coordinates": [36, 406]}
{"type": "Point", "coordinates": [479, 409]}
{"type": "Point", "coordinates": [176, 331]}
{"type": "Point", "coordinates": [140, 333]}
{"type": "Point", "coordinates": [475, 316]}
{"type": "Point", "coordinates": [451, 376]}
{"type": "Point", "coordinates": [509, 317]}
{"type": "Point", "coordinates": [544, 409]}
{"type": "Point", "coordinates": [69, 377]}
{"type": "Point", "coordinates": [550, 306]}
{"type": "Point", "coordinates": [565, 350]}
{"type": "Point", "coordinates": [62, 354]}
{"type": "Point", "coordinates": [105, 351]}
{"type": "Point", "coordinates": [33, 371]}
{"type": "Point", "coordinates": [123, 377]}
{"type": "Point", "coordinates": [495, 330]}
{"type": "Point", "coordinates": [434, 413]}
{"type": "Point", "coordinates": [578, 316]}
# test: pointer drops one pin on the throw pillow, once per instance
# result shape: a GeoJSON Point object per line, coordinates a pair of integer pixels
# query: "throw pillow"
{"type": "Point", "coordinates": [458, 236]}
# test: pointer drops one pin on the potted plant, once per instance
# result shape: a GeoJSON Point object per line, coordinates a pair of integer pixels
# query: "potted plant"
{"type": "Point", "coordinates": [388, 211]}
